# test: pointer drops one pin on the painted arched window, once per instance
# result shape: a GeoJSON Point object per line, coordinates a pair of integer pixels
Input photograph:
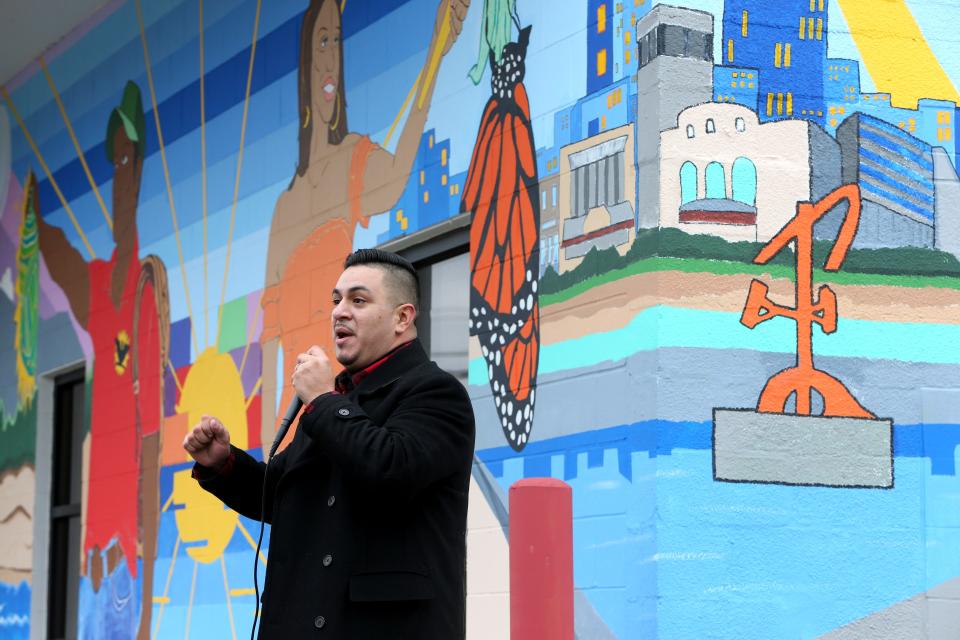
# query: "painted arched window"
{"type": "Point", "coordinates": [710, 127]}
{"type": "Point", "coordinates": [690, 132]}
{"type": "Point", "coordinates": [744, 176]}
{"type": "Point", "coordinates": [716, 179]}
{"type": "Point", "coordinates": [688, 182]}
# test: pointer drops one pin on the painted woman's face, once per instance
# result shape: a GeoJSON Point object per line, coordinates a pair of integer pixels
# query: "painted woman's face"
{"type": "Point", "coordinates": [325, 74]}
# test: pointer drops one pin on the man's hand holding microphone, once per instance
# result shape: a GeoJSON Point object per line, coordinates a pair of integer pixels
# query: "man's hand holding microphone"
{"type": "Point", "coordinates": [208, 443]}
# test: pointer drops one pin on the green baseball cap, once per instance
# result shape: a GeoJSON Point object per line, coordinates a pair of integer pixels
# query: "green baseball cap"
{"type": "Point", "coordinates": [130, 115]}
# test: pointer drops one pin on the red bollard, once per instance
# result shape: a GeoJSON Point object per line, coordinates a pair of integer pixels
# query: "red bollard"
{"type": "Point", "coordinates": [541, 560]}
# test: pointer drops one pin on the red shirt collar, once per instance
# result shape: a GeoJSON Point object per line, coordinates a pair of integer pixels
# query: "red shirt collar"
{"type": "Point", "coordinates": [346, 381]}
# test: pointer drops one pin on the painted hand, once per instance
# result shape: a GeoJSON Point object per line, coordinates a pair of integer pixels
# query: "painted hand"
{"type": "Point", "coordinates": [457, 14]}
{"type": "Point", "coordinates": [208, 443]}
{"type": "Point", "coordinates": [313, 374]}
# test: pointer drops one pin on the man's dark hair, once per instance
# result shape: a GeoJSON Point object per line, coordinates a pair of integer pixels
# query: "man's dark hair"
{"type": "Point", "coordinates": [401, 277]}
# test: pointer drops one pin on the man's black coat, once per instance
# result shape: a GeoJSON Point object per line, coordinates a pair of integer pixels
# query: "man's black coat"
{"type": "Point", "coordinates": [368, 507]}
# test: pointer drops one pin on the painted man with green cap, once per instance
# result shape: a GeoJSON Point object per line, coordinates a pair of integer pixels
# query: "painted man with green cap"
{"type": "Point", "coordinates": [122, 303]}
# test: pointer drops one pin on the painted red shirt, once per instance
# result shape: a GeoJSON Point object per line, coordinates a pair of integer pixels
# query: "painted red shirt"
{"type": "Point", "coordinates": [120, 414]}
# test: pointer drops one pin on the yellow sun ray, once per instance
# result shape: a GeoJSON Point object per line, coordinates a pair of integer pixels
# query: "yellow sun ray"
{"type": "Point", "coordinates": [76, 143]}
{"type": "Point", "coordinates": [435, 58]}
{"type": "Point", "coordinates": [250, 540]}
{"type": "Point", "coordinates": [46, 170]}
{"type": "Point", "coordinates": [166, 171]}
{"type": "Point", "coordinates": [901, 63]}
{"type": "Point", "coordinates": [250, 330]}
{"type": "Point", "coordinates": [403, 109]}
{"type": "Point", "coordinates": [163, 600]}
{"type": "Point", "coordinates": [236, 183]}
{"type": "Point", "coordinates": [193, 591]}
{"type": "Point", "coordinates": [253, 392]}
{"type": "Point", "coordinates": [226, 590]}
{"type": "Point", "coordinates": [176, 380]}
{"type": "Point", "coordinates": [203, 188]}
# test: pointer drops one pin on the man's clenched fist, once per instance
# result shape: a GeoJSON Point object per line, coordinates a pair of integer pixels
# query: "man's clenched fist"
{"type": "Point", "coordinates": [208, 443]}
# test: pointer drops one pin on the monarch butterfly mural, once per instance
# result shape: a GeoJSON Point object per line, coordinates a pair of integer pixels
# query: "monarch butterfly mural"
{"type": "Point", "coordinates": [501, 192]}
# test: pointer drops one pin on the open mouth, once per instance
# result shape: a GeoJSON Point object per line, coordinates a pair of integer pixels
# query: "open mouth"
{"type": "Point", "coordinates": [329, 89]}
{"type": "Point", "coordinates": [341, 335]}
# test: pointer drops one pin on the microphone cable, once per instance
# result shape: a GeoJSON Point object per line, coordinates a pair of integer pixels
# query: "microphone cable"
{"type": "Point", "coordinates": [292, 412]}
{"type": "Point", "coordinates": [256, 555]}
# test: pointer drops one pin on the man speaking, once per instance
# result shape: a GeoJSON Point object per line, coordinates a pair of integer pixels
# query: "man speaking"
{"type": "Point", "coordinates": [368, 503]}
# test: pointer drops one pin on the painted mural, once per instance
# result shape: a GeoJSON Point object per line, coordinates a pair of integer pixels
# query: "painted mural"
{"type": "Point", "coordinates": [501, 196]}
{"type": "Point", "coordinates": [714, 288]}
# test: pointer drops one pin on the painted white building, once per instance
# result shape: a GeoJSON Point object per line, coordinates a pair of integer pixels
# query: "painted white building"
{"type": "Point", "coordinates": [596, 195]}
{"type": "Point", "coordinates": [725, 174]}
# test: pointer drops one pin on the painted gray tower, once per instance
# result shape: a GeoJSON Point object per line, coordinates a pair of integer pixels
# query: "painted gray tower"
{"type": "Point", "coordinates": [947, 203]}
{"type": "Point", "coordinates": [675, 72]}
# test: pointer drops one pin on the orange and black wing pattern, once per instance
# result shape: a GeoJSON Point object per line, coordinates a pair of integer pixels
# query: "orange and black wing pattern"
{"type": "Point", "coordinates": [501, 192]}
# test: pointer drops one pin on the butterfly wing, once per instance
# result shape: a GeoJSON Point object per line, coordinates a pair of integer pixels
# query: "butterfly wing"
{"type": "Point", "coordinates": [501, 191]}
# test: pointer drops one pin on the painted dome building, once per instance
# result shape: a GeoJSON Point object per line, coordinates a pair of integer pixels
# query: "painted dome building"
{"type": "Point", "coordinates": [720, 175]}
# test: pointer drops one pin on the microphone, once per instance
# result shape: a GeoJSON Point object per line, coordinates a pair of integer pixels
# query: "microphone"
{"type": "Point", "coordinates": [288, 417]}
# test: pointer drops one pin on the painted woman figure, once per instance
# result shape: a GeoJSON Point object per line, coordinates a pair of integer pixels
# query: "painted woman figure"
{"type": "Point", "coordinates": [342, 178]}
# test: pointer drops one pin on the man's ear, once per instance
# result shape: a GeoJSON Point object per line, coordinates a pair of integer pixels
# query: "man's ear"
{"type": "Point", "coordinates": [406, 315]}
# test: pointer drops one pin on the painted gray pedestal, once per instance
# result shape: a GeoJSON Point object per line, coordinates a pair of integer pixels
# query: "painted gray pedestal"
{"type": "Point", "coordinates": [802, 450]}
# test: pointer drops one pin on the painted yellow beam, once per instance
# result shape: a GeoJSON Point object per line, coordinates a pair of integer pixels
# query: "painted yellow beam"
{"type": "Point", "coordinates": [896, 53]}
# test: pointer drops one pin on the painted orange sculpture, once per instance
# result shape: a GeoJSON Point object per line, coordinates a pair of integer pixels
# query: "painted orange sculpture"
{"type": "Point", "coordinates": [804, 379]}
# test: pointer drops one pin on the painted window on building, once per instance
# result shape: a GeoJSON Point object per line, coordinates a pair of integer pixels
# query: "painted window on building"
{"type": "Point", "coordinates": [688, 182]}
{"type": "Point", "coordinates": [744, 179]}
{"type": "Point", "coordinates": [676, 41]}
{"type": "Point", "coordinates": [716, 181]}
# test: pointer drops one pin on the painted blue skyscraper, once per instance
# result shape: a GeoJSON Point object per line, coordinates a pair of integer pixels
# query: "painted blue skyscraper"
{"type": "Point", "coordinates": [600, 26]}
{"type": "Point", "coordinates": [428, 198]}
{"type": "Point", "coordinates": [787, 41]}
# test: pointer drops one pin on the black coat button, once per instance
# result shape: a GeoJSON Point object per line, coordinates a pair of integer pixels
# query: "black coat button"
{"type": "Point", "coordinates": [319, 621]}
{"type": "Point", "coordinates": [331, 500]}
{"type": "Point", "coordinates": [344, 412]}
{"type": "Point", "coordinates": [327, 560]}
